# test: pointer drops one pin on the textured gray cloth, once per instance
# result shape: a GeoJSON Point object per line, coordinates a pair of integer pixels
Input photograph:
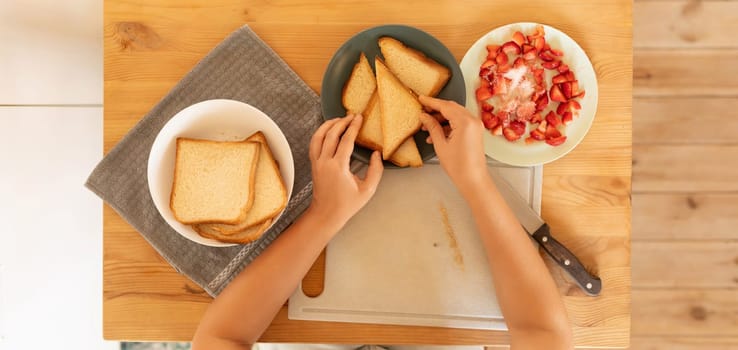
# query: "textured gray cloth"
{"type": "Point", "coordinates": [241, 68]}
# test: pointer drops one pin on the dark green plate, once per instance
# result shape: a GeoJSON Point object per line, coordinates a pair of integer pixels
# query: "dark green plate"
{"type": "Point", "coordinates": [345, 58]}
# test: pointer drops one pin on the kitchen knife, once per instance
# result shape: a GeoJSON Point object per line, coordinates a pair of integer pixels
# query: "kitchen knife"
{"type": "Point", "coordinates": [539, 230]}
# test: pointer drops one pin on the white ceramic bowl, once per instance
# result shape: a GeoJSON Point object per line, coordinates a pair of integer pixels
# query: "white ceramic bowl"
{"type": "Point", "coordinates": [519, 153]}
{"type": "Point", "coordinates": [220, 120]}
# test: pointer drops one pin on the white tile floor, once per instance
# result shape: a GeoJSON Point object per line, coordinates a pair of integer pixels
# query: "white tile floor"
{"type": "Point", "coordinates": [50, 138]}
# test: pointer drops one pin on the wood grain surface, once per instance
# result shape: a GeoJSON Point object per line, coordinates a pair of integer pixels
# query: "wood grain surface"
{"type": "Point", "coordinates": [685, 120]}
{"type": "Point", "coordinates": [150, 45]}
{"type": "Point", "coordinates": [688, 312]}
{"type": "Point", "coordinates": [685, 107]}
{"type": "Point", "coordinates": [684, 24]}
{"type": "Point", "coordinates": [685, 168]}
{"type": "Point", "coordinates": [673, 216]}
{"type": "Point", "coordinates": [685, 72]}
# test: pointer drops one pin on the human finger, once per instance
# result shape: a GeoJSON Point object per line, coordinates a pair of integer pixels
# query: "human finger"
{"type": "Point", "coordinates": [434, 129]}
{"type": "Point", "coordinates": [334, 135]}
{"type": "Point", "coordinates": [316, 142]}
{"type": "Point", "coordinates": [373, 173]}
{"type": "Point", "coordinates": [346, 144]}
{"type": "Point", "coordinates": [447, 130]}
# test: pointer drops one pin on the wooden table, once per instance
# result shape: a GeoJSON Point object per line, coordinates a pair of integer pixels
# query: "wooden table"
{"type": "Point", "coordinates": [150, 45]}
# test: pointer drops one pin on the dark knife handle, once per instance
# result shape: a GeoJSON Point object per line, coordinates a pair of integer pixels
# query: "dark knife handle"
{"type": "Point", "coordinates": [592, 285]}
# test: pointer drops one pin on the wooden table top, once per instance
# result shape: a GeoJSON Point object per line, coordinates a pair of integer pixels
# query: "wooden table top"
{"type": "Point", "coordinates": [151, 45]}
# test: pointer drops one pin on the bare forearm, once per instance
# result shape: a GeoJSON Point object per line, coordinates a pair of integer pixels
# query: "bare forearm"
{"type": "Point", "coordinates": [525, 289]}
{"type": "Point", "coordinates": [245, 308]}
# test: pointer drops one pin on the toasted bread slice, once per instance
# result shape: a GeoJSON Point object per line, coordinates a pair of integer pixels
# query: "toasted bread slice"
{"type": "Point", "coordinates": [270, 194]}
{"type": "Point", "coordinates": [248, 235]}
{"type": "Point", "coordinates": [419, 73]}
{"type": "Point", "coordinates": [407, 155]}
{"type": "Point", "coordinates": [400, 110]}
{"type": "Point", "coordinates": [213, 181]}
{"type": "Point", "coordinates": [358, 90]}
{"type": "Point", "coordinates": [370, 136]}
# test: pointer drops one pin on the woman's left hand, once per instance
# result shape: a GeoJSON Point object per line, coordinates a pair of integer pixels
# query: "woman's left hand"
{"type": "Point", "coordinates": [338, 194]}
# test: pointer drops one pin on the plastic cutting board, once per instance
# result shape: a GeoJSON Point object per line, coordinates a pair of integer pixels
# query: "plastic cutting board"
{"type": "Point", "coordinates": [412, 256]}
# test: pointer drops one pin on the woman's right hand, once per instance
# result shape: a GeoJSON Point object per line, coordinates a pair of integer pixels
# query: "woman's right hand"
{"type": "Point", "coordinates": [459, 146]}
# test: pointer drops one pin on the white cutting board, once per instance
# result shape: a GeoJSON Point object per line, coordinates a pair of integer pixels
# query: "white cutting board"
{"type": "Point", "coordinates": [395, 261]}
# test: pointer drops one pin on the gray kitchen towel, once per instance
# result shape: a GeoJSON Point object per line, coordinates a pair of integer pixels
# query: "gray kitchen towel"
{"type": "Point", "coordinates": [241, 68]}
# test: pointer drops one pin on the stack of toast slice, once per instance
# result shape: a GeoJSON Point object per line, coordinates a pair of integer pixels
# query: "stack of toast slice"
{"type": "Point", "coordinates": [388, 99]}
{"type": "Point", "coordinates": [227, 191]}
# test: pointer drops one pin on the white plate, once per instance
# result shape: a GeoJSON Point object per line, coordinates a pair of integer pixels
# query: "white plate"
{"type": "Point", "coordinates": [519, 153]}
{"type": "Point", "coordinates": [220, 120]}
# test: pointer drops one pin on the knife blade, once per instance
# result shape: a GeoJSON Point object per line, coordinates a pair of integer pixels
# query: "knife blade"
{"type": "Point", "coordinates": [540, 231]}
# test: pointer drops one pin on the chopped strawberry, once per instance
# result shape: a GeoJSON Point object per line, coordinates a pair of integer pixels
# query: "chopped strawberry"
{"type": "Point", "coordinates": [569, 76]}
{"type": "Point", "coordinates": [539, 79]}
{"type": "Point", "coordinates": [543, 126]}
{"type": "Point", "coordinates": [519, 62]}
{"type": "Point", "coordinates": [503, 117]}
{"type": "Point", "coordinates": [538, 92]}
{"type": "Point", "coordinates": [518, 38]}
{"type": "Point", "coordinates": [575, 105]}
{"type": "Point", "coordinates": [552, 132]}
{"type": "Point", "coordinates": [556, 94]}
{"type": "Point", "coordinates": [539, 43]}
{"type": "Point", "coordinates": [537, 135]}
{"type": "Point", "coordinates": [567, 118]}
{"type": "Point", "coordinates": [546, 56]}
{"type": "Point", "coordinates": [526, 109]}
{"type": "Point", "coordinates": [551, 65]}
{"type": "Point", "coordinates": [542, 102]}
{"type": "Point", "coordinates": [526, 59]}
{"type": "Point", "coordinates": [561, 78]}
{"type": "Point", "coordinates": [562, 108]}
{"type": "Point", "coordinates": [555, 141]}
{"type": "Point", "coordinates": [492, 51]}
{"type": "Point", "coordinates": [510, 134]}
{"type": "Point", "coordinates": [518, 127]}
{"type": "Point", "coordinates": [566, 88]}
{"type": "Point", "coordinates": [501, 59]}
{"type": "Point", "coordinates": [538, 34]}
{"type": "Point", "coordinates": [489, 120]}
{"type": "Point", "coordinates": [552, 119]}
{"type": "Point", "coordinates": [497, 131]}
{"type": "Point", "coordinates": [538, 75]}
{"type": "Point", "coordinates": [484, 93]}
{"type": "Point", "coordinates": [511, 47]}
{"type": "Point", "coordinates": [486, 74]}
{"type": "Point", "coordinates": [540, 31]}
